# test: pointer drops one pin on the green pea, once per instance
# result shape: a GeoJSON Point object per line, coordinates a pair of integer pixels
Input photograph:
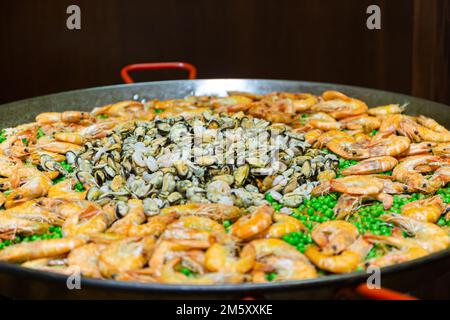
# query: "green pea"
{"type": "Point", "coordinates": [40, 133]}
{"type": "Point", "coordinates": [269, 197]}
{"type": "Point", "coordinates": [186, 272]}
{"type": "Point", "coordinates": [79, 187]}
{"type": "Point", "coordinates": [270, 276]}
{"type": "Point", "coordinates": [385, 231]}
{"type": "Point", "coordinates": [376, 232]}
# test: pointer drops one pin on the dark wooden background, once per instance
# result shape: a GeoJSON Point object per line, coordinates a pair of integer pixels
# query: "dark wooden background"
{"type": "Point", "coordinates": [320, 40]}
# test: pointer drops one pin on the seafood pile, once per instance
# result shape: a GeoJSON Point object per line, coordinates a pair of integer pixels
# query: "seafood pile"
{"type": "Point", "coordinates": [224, 159]}
{"type": "Point", "coordinates": [207, 190]}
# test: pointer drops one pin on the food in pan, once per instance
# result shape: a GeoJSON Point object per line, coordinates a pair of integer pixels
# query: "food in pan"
{"type": "Point", "coordinates": [207, 190]}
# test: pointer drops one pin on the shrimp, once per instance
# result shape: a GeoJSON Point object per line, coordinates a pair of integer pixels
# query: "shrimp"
{"type": "Point", "coordinates": [253, 224]}
{"type": "Point", "coordinates": [65, 117]}
{"type": "Point", "coordinates": [88, 222]}
{"type": "Point", "coordinates": [334, 236]}
{"type": "Point", "coordinates": [134, 217]}
{"type": "Point", "coordinates": [33, 184]}
{"type": "Point", "coordinates": [419, 133]}
{"type": "Point", "coordinates": [421, 148]}
{"type": "Point", "coordinates": [51, 145]}
{"type": "Point", "coordinates": [393, 187]}
{"type": "Point", "coordinates": [285, 269]}
{"type": "Point", "coordinates": [195, 232]}
{"type": "Point", "coordinates": [50, 265]}
{"type": "Point", "coordinates": [40, 210]}
{"type": "Point", "coordinates": [349, 203]}
{"type": "Point", "coordinates": [427, 210]}
{"type": "Point", "coordinates": [362, 122]}
{"type": "Point", "coordinates": [441, 149]}
{"type": "Point", "coordinates": [215, 211]}
{"type": "Point", "coordinates": [346, 206]}
{"type": "Point", "coordinates": [405, 250]}
{"type": "Point", "coordinates": [326, 175]}
{"type": "Point", "coordinates": [220, 257]}
{"type": "Point", "coordinates": [277, 255]}
{"type": "Point", "coordinates": [70, 137]}
{"type": "Point", "coordinates": [405, 172]}
{"type": "Point", "coordinates": [322, 117]}
{"type": "Point", "coordinates": [187, 112]}
{"type": "Point", "coordinates": [348, 148]}
{"type": "Point", "coordinates": [166, 250]}
{"type": "Point", "coordinates": [391, 123]}
{"type": "Point", "coordinates": [441, 176]}
{"type": "Point", "coordinates": [86, 258]}
{"type": "Point", "coordinates": [372, 165]}
{"type": "Point", "coordinates": [170, 275]}
{"type": "Point", "coordinates": [39, 249]}
{"type": "Point", "coordinates": [325, 125]}
{"type": "Point", "coordinates": [283, 225]}
{"type": "Point", "coordinates": [10, 226]}
{"type": "Point", "coordinates": [430, 124]}
{"type": "Point", "coordinates": [326, 137]}
{"type": "Point", "coordinates": [230, 101]}
{"type": "Point", "coordinates": [124, 109]}
{"type": "Point", "coordinates": [312, 136]}
{"type": "Point", "coordinates": [64, 190]}
{"type": "Point", "coordinates": [99, 129]}
{"type": "Point", "coordinates": [339, 105]}
{"type": "Point", "coordinates": [386, 110]}
{"type": "Point", "coordinates": [390, 146]}
{"type": "Point", "coordinates": [37, 156]}
{"type": "Point", "coordinates": [276, 247]}
{"type": "Point", "coordinates": [303, 102]}
{"type": "Point", "coordinates": [428, 235]}
{"type": "Point", "coordinates": [344, 262]}
{"type": "Point", "coordinates": [9, 166]}
{"type": "Point", "coordinates": [141, 275]}
{"type": "Point", "coordinates": [357, 185]}
{"type": "Point", "coordinates": [155, 226]}
{"type": "Point", "coordinates": [361, 138]}
{"type": "Point", "coordinates": [124, 255]}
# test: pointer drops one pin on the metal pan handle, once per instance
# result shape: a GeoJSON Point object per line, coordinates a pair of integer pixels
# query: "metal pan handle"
{"type": "Point", "coordinates": [157, 66]}
{"type": "Point", "coordinates": [382, 293]}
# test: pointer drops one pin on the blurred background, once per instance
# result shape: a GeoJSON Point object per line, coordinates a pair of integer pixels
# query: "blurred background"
{"type": "Point", "coordinates": [320, 40]}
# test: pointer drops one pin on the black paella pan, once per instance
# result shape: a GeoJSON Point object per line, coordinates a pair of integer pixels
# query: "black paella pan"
{"type": "Point", "coordinates": [424, 278]}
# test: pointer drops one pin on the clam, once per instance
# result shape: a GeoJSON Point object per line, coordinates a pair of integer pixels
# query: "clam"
{"type": "Point", "coordinates": [292, 200]}
{"type": "Point", "coordinates": [240, 175]}
{"type": "Point", "coordinates": [174, 197]}
{"type": "Point", "coordinates": [121, 208]}
{"type": "Point", "coordinates": [207, 158]}
{"type": "Point", "coordinates": [182, 167]}
{"type": "Point", "coordinates": [152, 206]}
{"type": "Point", "coordinates": [168, 183]}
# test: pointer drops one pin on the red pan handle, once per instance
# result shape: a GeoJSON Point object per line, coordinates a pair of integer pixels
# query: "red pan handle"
{"type": "Point", "coordinates": [382, 293]}
{"type": "Point", "coordinates": [157, 66]}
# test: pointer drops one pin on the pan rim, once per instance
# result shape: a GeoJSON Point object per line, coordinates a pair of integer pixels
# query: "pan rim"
{"type": "Point", "coordinates": [334, 279]}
